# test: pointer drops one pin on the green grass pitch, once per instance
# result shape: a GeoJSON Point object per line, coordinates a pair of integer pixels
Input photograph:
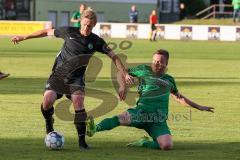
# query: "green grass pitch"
{"type": "Point", "coordinates": [207, 72]}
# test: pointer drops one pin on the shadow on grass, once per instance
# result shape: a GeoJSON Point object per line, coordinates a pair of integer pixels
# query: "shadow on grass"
{"type": "Point", "coordinates": [36, 85]}
{"type": "Point", "coordinates": [34, 148]}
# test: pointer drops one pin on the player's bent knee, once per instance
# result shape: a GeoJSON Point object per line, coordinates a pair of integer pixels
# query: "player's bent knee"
{"type": "Point", "coordinates": [166, 146]}
{"type": "Point", "coordinates": [165, 142]}
{"type": "Point", "coordinates": [124, 119]}
{"type": "Point", "coordinates": [49, 99]}
{"type": "Point", "coordinates": [78, 101]}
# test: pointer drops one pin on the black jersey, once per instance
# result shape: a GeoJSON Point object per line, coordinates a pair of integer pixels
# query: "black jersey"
{"type": "Point", "coordinates": [77, 46]}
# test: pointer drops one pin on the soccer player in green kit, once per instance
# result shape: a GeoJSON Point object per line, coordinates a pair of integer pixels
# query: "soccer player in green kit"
{"type": "Point", "coordinates": [76, 17]}
{"type": "Point", "coordinates": [151, 110]}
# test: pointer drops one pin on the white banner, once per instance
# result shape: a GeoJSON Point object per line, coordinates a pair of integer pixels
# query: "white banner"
{"type": "Point", "coordinates": [171, 32]}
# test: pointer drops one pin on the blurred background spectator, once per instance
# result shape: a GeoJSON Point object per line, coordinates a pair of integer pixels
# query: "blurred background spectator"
{"type": "Point", "coordinates": [133, 14]}
{"type": "Point", "coordinates": [77, 15]}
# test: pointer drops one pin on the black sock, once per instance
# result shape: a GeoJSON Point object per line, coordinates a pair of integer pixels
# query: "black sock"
{"type": "Point", "coordinates": [80, 124]}
{"type": "Point", "coordinates": [47, 114]}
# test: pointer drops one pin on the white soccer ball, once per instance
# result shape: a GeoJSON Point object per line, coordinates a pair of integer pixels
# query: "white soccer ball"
{"type": "Point", "coordinates": [54, 140]}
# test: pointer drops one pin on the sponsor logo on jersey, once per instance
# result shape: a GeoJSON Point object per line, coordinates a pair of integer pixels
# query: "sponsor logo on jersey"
{"type": "Point", "coordinates": [161, 81]}
{"type": "Point", "coordinates": [90, 46]}
{"type": "Point", "coordinates": [47, 85]}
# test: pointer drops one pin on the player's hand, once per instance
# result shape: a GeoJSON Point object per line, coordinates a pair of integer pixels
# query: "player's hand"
{"type": "Point", "coordinates": [122, 92]}
{"type": "Point", "coordinates": [17, 39]}
{"type": "Point", "coordinates": [205, 108]}
{"type": "Point", "coordinates": [129, 79]}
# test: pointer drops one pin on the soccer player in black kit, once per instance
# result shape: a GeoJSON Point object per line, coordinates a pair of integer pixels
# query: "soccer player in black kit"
{"type": "Point", "coordinates": [79, 43]}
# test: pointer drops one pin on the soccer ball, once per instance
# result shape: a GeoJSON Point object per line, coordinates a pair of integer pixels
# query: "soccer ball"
{"type": "Point", "coordinates": [54, 140]}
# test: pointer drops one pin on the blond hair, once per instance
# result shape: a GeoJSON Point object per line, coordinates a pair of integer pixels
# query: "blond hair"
{"type": "Point", "coordinates": [89, 14]}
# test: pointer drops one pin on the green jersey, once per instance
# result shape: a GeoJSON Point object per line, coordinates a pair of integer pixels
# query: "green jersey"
{"type": "Point", "coordinates": [76, 15]}
{"type": "Point", "coordinates": [236, 4]}
{"type": "Point", "coordinates": [154, 90]}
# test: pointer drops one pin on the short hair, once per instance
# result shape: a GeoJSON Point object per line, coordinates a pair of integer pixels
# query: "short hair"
{"type": "Point", "coordinates": [84, 5]}
{"type": "Point", "coordinates": [163, 52]}
{"type": "Point", "coordinates": [89, 14]}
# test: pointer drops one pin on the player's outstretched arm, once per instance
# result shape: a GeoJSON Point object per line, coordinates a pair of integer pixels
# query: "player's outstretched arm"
{"type": "Point", "coordinates": [74, 20]}
{"type": "Point", "coordinates": [185, 101]}
{"type": "Point", "coordinates": [37, 34]}
{"type": "Point", "coordinates": [120, 67]}
{"type": "Point", "coordinates": [122, 91]}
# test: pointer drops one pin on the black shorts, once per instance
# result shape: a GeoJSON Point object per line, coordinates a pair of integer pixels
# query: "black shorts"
{"type": "Point", "coordinates": [153, 27]}
{"type": "Point", "coordinates": [65, 86]}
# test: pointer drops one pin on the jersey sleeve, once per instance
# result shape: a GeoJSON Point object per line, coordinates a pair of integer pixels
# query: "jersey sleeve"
{"type": "Point", "coordinates": [61, 32]}
{"type": "Point", "coordinates": [174, 88]}
{"type": "Point", "coordinates": [74, 16]}
{"type": "Point", "coordinates": [101, 46]}
{"type": "Point", "coordinates": [137, 71]}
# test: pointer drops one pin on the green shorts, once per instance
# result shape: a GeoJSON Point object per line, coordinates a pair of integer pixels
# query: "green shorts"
{"type": "Point", "coordinates": [154, 123]}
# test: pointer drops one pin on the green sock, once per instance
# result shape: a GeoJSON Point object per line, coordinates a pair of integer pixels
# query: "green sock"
{"type": "Point", "coordinates": [151, 145]}
{"type": "Point", "coordinates": [107, 124]}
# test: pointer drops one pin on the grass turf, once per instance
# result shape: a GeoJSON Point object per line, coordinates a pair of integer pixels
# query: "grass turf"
{"type": "Point", "coordinates": [211, 21]}
{"type": "Point", "coordinates": [207, 72]}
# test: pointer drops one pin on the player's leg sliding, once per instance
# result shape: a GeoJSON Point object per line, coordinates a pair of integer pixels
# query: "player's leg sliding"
{"type": "Point", "coordinates": [145, 142]}
{"type": "Point", "coordinates": [48, 116]}
{"type": "Point", "coordinates": [3, 75]}
{"type": "Point", "coordinates": [91, 127]}
{"type": "Point", "coordinates": [139, 143]}
{"type": "Point", "coordinates": [110, 123]}
{"type": "Point", "coordinates": [106, 124]}
{"type": "Point", "coordinates": [151, 145]}
{"type": "Point", "coordinates": [80, 124]}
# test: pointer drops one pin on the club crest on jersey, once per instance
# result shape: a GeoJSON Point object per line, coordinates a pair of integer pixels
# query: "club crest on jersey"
{"type": "Point", "coordinates": [90, 46]}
